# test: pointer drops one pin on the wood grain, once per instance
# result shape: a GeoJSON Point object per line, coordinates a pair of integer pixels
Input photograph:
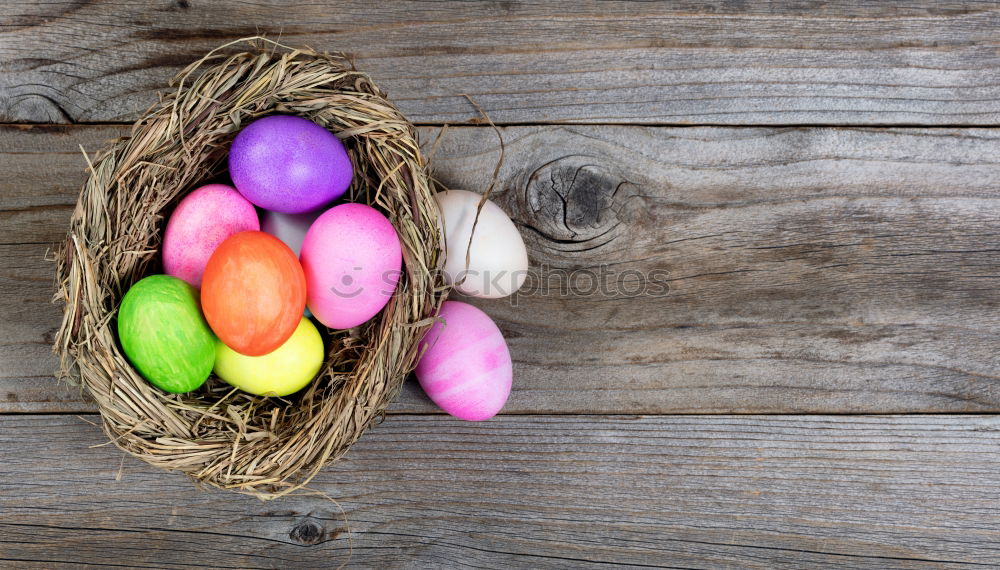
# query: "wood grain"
{"type": "Point", "coordinates": [799, 270]}
{"type": "Point", "coordinates": [720, 62]}
{"type": "Point", "coordinates": [544, 492]}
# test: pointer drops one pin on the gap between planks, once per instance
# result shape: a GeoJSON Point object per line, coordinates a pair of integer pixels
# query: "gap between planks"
{"type": "Point", "coordinates": [485, 124]}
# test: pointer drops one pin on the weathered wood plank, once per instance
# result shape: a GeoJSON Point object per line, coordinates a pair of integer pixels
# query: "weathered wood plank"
{"type": "Point", "coordinates": [544, 492]}
{"type": "Point", "coordinates": [843, 62]}
{"type": "Point", "coordinates": [809, 270]}
{"type": "Point", "coordinates": [44, 168]}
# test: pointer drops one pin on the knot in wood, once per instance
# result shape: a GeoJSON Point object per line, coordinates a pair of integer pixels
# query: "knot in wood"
{"type": "Point", "coordinates": [576, 199]}
{"type": "Point", "coordinates": [307, 532]}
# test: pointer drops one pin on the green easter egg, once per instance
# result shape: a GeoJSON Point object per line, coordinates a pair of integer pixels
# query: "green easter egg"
{"type": "Point", "coordinates": [164, 334]}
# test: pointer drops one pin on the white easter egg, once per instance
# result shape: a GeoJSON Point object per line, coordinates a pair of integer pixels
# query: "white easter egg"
{"type": "Point", "coordinates": [497, 259]}
{"type": "Point", "coordinates": [289, 228]}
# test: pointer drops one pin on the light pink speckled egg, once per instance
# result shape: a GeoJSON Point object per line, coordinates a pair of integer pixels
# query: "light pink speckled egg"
{"type": "Point", "coordinates": [352, 259]}
{"type": "Point", "coordinates": [466, 369]}
{"type": "Point", "coordinates": [202, 221]}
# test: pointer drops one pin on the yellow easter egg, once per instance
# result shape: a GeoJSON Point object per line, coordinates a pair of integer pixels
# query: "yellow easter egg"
{"type": "Point", "coordinates": [284, 371]}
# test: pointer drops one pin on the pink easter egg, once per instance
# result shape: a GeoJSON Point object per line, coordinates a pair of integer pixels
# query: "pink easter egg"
{"type": "Point", "coordinates": [466, 369]}
{"type": "Point", "coordinates": [202, 221]}
{"type": "Point", "coordinates": [352, 260]}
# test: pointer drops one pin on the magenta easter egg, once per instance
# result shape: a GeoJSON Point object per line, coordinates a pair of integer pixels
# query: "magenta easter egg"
{"type": "Point", "coordinates": [352, 259]}
{"type": "Point", "coordinates": [289, 164]}
{"type": "Point", "coordinates": [202, 221]}
{"type": "Point", "coordinates": [465, 368]}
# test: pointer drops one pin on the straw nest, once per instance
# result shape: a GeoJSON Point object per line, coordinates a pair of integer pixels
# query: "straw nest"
{"type": "Point", "coordinates": [219, 436]}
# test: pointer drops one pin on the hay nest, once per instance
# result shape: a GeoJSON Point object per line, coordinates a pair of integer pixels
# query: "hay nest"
{"type": "Point", "coordinates": [218, 435]}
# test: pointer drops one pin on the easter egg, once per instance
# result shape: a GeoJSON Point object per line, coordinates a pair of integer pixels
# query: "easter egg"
{"type": "Point", "coordinates": [289, 164]}
{"type": "Point", "coordinates": [284, 371]}
{"type": "Point", "coordinates": [465, 368]}
{"type": "Point", "coordinates": [289, 228]}
{"type": "Point", "coordinates": [253, 292]}
{"type": "Point", "coordinates": [497, 259]}
{"type": "Point", "coordinates": [164, 335]}
{"type": "Point", "coordinates": [203, 220]}
{"type": "Point", "coordinates": [352, 260]}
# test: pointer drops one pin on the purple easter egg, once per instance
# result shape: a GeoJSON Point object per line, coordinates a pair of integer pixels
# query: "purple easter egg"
{"type": "Point", "coordinates": [289, 164]}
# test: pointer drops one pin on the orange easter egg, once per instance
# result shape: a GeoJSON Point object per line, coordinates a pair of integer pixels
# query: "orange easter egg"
{"type": "Point", "coordinates": [253, 292]}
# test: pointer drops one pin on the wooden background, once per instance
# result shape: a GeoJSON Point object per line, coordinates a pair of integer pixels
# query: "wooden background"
{"type": "Point", "coordinates": [816, 183]}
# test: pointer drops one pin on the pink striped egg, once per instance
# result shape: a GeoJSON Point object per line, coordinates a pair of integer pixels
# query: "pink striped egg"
{"type": "Point", "coordinates": [466, 367]}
